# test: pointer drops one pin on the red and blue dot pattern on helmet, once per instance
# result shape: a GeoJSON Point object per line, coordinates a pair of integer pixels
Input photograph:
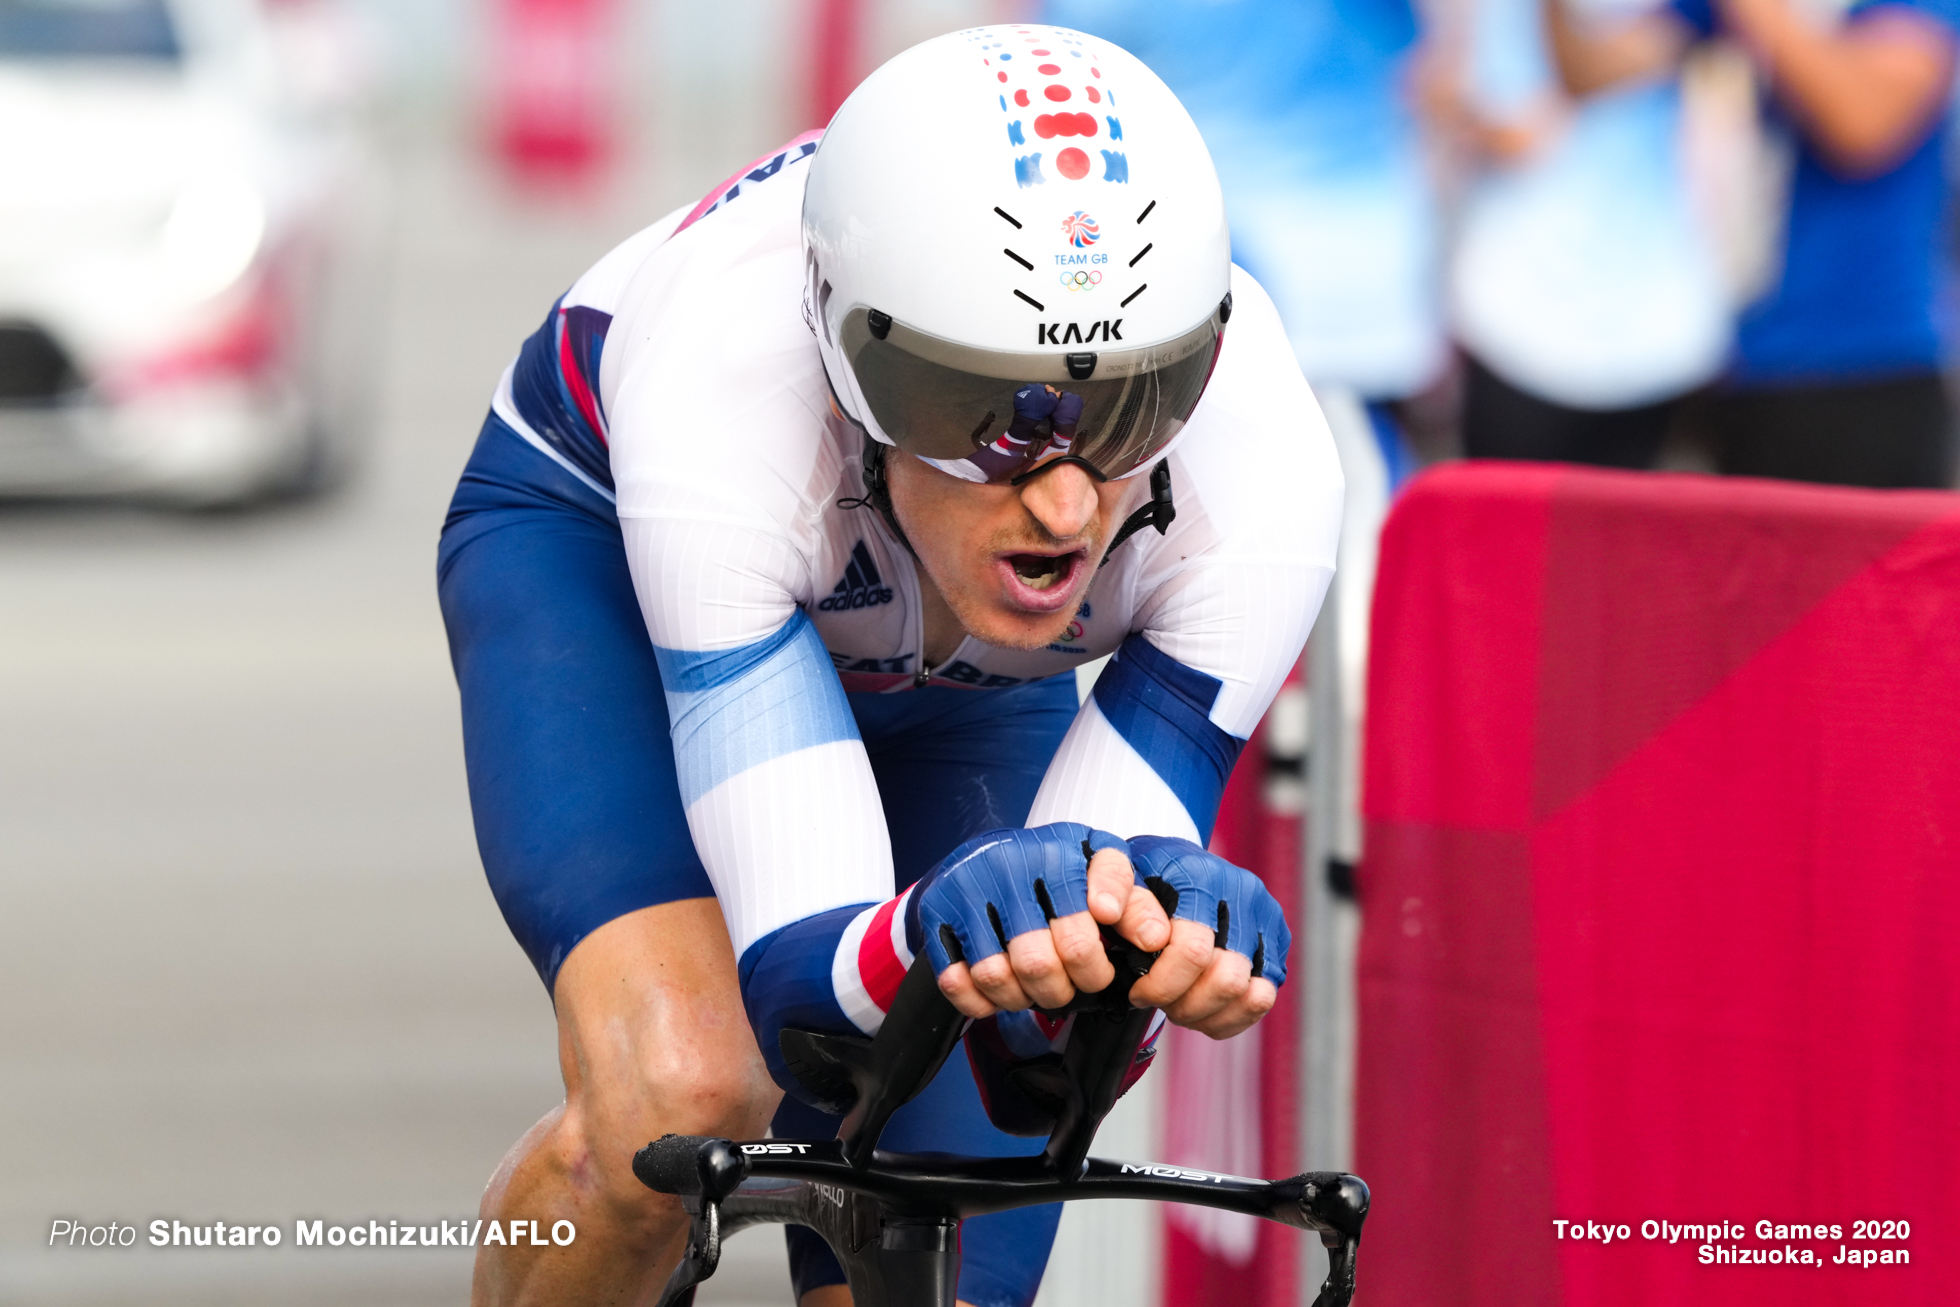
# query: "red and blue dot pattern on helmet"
{"type": "Point", "coordinates": [1051, 88]}
{"type": "Point", "coordinates": [1081, 230]}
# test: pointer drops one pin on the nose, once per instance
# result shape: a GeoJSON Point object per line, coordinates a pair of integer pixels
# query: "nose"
{"type": "Point", "coordinates": [1063, 499]}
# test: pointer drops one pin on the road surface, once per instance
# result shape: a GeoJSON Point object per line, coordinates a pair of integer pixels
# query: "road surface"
{"type": "Point", "coordinates": [253, 971]}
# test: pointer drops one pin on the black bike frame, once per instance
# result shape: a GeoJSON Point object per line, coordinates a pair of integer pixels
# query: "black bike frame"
{"type": "Point", "coordinates": [893, 1220]}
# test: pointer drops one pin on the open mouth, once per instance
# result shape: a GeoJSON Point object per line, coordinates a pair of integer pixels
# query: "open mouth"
{"type": "Point", "coordinates": [1040, 583]}
{"type": "Point", "coordinates": [1040, 571]}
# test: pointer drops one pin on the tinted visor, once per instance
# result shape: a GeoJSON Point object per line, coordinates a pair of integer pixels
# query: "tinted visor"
{"type": "Point", "coordinates": [954, 404]}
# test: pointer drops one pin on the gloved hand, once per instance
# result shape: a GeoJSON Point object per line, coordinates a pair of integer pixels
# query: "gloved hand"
{"type": "Point", "coordinates": [1068, 412]}
{"type": "Point", "coordinates": [1229, 939]}
{"type": "Point", "coordinates": [1011, 919]}
{"type": "Point", "coordinates": [1034, 401]}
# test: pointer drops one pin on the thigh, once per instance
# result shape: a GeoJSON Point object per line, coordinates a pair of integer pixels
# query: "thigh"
{"type": "Point", "coordinates": [571, 773]}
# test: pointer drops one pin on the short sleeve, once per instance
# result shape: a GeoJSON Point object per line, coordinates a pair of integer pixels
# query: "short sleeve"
{"type": "Point", "coordinates": [1697, 14]}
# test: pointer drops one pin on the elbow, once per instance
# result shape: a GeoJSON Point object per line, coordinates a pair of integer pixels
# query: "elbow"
{"type": "Point", "coordinates": [1863, 149]}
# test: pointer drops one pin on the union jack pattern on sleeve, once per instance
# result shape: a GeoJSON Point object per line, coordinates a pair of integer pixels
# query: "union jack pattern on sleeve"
{"type": "Point", "coordinates": [872, 957]}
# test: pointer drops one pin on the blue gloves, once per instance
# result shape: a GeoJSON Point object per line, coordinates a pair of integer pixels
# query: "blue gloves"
{"type": "Point", "coordinates": [1033, 402]}
{"type": "Point", "coordinates": [1009, 882]}
{"type": "Point", "coordinates": [1214, 893]}
{"type": "Point", "coordinates": [986, 892]}
{"type": "Point", "coordinates": [1068, 412]}
{"type": "Point", "coordinates": [1006, 883]}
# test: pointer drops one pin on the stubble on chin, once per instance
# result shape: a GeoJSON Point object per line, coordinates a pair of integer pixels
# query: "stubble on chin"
{"type": "Point", "coordinates": [997, 630]}
{"type": "Point", "coordinates": [986, 618]}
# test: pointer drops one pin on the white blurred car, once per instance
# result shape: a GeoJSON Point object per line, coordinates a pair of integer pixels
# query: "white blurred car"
{"type": "Point", "coordinates": [183, 306]}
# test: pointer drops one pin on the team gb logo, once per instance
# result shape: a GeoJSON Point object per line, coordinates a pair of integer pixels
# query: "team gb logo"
{"type": "Point", "coordinates": [1081, 229]}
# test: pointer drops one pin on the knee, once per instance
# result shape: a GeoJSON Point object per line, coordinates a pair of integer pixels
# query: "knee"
{"type": "Point", "coordinates": [607, 1120]}
{"type": "Point", "coordinates": [699, 1091]}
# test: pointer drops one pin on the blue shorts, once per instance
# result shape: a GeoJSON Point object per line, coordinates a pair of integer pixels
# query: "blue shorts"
{"type": "Point", "coordinates": [578, 809]}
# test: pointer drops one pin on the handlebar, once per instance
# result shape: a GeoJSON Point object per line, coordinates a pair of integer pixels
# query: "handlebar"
{"type": "Point", "coordinates": [948, 1190]}
{"type": "Point", "coordinates": [849, 1189]}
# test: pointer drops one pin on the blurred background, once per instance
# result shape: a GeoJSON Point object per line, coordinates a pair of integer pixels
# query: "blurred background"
{"type": "Point", "coordinates": [253, 972]}
{"type": "Point", "coordinates": [261, 263]}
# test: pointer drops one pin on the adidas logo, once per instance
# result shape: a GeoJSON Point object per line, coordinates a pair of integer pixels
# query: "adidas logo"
{"type": "Point", "coordinates": [861, 587]}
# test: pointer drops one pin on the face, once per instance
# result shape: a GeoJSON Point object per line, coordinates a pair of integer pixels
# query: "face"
{"type": "Point", "coordinates": [1012, 562]}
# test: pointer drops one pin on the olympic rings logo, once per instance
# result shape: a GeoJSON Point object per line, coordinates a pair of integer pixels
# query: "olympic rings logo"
{"type": "Point", "coordinates": [1083, 279]}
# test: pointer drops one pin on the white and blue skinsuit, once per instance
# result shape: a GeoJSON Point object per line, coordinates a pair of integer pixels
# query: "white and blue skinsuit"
{"type": "Point", "coordinates": [688, 669]}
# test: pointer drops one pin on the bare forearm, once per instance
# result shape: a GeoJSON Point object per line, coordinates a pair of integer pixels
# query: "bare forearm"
{"type": "Point", "coordinates": [1593, 58]}
{"type": "Point", "coordinates": [1866, 93]}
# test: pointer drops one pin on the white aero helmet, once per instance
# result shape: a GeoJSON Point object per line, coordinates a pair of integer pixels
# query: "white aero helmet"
{"type": "Point", "coordinates": [1016, 247]}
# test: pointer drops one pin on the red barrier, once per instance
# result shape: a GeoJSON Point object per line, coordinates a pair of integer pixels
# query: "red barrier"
{"type": "Point", "coordinates": [552, 91]}
{"type": "Point", "coordinates": [1233, 1105]}
{"type": "Point", "coordinates": [835, 42]}
{"type": "Point", "coordinates": [1661, 886]}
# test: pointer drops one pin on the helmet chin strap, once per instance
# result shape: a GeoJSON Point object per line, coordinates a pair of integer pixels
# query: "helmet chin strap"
{"type": "Point", "coordinates": [877, 491]}
{"type": "Point", "coordinates": [1159, 511]}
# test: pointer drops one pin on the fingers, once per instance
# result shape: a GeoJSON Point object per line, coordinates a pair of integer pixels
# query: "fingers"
{"type": "Point", "coordinates": [1240, 1015]}
{"type": "Point", "coordinates": [1045, 968]}
{"type": "Point", "coordinates": [1178, 967]}
{"type": "Point", "coordinates": [1110, 883]}
{"type": "Point", "coordinates": [1144, 922]}
{"type": "Point", "coordinates": [1037, 966]}
{"type": "Point", "coordinates": [995, 979]}
{"type": "Point", "coordinates": [1077, 940]}
{"type": "Point", "coordinates": [1199, 986]}
{"type": "Point", "coordinates": [1041, 968]}
{"type": "Point", "coordinates": [956, 983]}
{"type": "Point", "coordinates": [1115, 899]}
{"type": "Point", "coordinates": [1203, 987]}
{"type": "Point", "coordinates": [1220, 997]}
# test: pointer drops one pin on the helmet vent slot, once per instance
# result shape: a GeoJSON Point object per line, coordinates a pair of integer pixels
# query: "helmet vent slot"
{"type": "Point", "coordinates": [1140, 253]}
{"type": "Point", "coordinates": [1032, 300]}
{"type": "Point", "coordinates": [1146, 210]}
{"type": "Point", "coordinates": [1018, 259]}
{"type": "Point", "coordinates": [1133, 294]}
{"type": "Point", "coordinates": [1010, 217]}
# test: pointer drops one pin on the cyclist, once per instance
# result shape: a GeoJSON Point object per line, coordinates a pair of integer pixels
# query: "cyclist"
{"type": "Point", "coordinates": [764, 586]}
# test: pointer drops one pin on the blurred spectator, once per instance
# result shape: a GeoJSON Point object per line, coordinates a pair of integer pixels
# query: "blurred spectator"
{"type": "Point", "coordinates": [1837, 368]}
{"type": "Point", "coordinates": [1305, 107]}
{"type": "Point", "coordinates": [1302, 106]}
{"type": "Point", "coordinates": [1583, 287]}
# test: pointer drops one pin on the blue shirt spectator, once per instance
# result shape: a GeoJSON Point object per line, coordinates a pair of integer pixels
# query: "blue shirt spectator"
{"type": "Point", "coordinates": [1583, 286]}
{"type": "Point", "coordinates": [1301, 103]}
{"type": "Point", "coordinates": [1837, 374]}
{"type": "Point", "coordinates": [1862, 261]}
